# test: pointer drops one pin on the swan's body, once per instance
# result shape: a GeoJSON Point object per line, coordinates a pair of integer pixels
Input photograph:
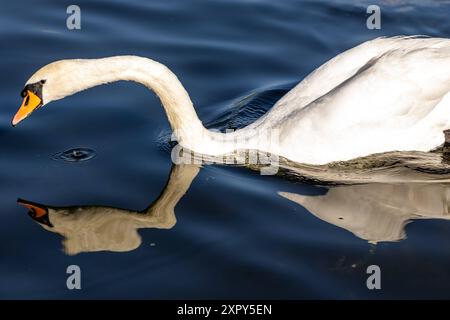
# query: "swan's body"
{"type": "Point", "coordinates": [383, 95]}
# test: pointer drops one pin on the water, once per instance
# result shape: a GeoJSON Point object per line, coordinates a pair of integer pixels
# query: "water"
{"type": "Point", "coordinates": [141, 228]}
{"type": "Point", "coordinates": [75, 155]}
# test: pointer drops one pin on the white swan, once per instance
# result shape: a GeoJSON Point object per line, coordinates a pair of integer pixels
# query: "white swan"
{"type": "Point", "coordinates": [383, 95]}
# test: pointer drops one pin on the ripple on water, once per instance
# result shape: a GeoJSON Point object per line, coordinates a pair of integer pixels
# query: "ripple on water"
{"type": "Point", "coordinates": [75, 155]}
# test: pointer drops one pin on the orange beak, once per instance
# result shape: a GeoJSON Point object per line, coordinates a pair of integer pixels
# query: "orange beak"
{"type": "Point", "coordinates": [36, 210]}
{"type": "Point", "coordinates": [30, 103]}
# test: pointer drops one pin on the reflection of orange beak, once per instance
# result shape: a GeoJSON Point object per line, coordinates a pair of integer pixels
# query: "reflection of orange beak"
{"type": "Point", "coordinates": [30, 103]}
{"type": "Point", "coordinates": [36, 211]}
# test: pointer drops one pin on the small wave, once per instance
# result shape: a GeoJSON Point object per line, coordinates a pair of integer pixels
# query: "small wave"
{"type": "Point", "coordinates": [75, 155]}
{"type": "Point", "coordinates": [389, 167]}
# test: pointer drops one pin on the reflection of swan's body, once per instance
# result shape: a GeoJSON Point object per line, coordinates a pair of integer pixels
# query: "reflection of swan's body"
{"type": "Point", "coordinates": [375, 212]}
{"type": "Point", "coordinates": [384, 95]}
{"type": "Point", "coordinates": [94, 228]}
{"type": "Point", "coordinates": [378, 212]}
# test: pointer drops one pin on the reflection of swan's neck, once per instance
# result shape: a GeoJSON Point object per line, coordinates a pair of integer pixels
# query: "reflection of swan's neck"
{"type": "Point", "coordinates": [178, 106]}
{"type": "Point", "coordinates": [95, 228]}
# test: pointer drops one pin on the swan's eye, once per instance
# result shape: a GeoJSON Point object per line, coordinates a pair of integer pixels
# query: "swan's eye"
{"type": "Point", "coordinates": [23, 94]}
{"type": "Point", "coordinates": [43, 81]}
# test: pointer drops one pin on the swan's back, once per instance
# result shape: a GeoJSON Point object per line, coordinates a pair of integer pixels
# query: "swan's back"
{"type": "Point", "coordinates": [384, 95]}
{"type": "Point", "coordinates": [340, 68]}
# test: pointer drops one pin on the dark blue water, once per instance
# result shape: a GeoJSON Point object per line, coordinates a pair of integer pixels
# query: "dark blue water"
{"type": "Point", "coordinates": [234, 236]}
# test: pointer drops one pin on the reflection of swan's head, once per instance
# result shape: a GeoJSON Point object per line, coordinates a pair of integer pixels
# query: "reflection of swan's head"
{"type": "Point", "coordinates": [95, 228]}
{"type": "Point", "coordinates": [38, 212]}
{"type": "Point", "coordinates": [87, 229]}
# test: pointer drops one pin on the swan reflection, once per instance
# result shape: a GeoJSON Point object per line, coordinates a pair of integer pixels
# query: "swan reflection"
{"type": "Point", "coordinates": [96, 228]}
{"type": "Point", "coordinates": [377, 212]}
{"type": "Point", "coordinates": [374, 212]}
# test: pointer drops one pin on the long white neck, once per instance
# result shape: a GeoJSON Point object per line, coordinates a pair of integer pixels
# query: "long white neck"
{"type": "Point", "coordinates": [155, 76]}
{"type": "Point", "coordinates": [188, 129]}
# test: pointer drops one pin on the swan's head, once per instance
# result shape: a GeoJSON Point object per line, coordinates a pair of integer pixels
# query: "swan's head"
{"type": "Point", "coordinates": [63, 78]}
{"type": "Point", "coordinates": [52, 82]}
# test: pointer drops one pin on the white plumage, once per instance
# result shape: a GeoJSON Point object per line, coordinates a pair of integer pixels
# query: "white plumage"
{"type": "Point", "coordinates": [384, 95]}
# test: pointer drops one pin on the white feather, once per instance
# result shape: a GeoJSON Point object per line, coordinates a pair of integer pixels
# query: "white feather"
{"type": "Point", "coordinates": [384, 95]}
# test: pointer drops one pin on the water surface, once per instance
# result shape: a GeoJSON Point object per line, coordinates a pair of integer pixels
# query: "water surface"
{"type": "Point", "coordinates": [140, 227]}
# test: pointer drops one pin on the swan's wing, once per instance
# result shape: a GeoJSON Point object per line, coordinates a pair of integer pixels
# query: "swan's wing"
{"type": "Point", "coordinates": [345, 65]}
{"type": "Point", "coordinates": [398, 101]}
{"type": "Point", "coordinates": [401, 86]}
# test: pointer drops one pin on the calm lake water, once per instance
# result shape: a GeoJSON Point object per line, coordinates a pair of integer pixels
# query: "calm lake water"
{"type": "Point", "coordinates": [215, 231]}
